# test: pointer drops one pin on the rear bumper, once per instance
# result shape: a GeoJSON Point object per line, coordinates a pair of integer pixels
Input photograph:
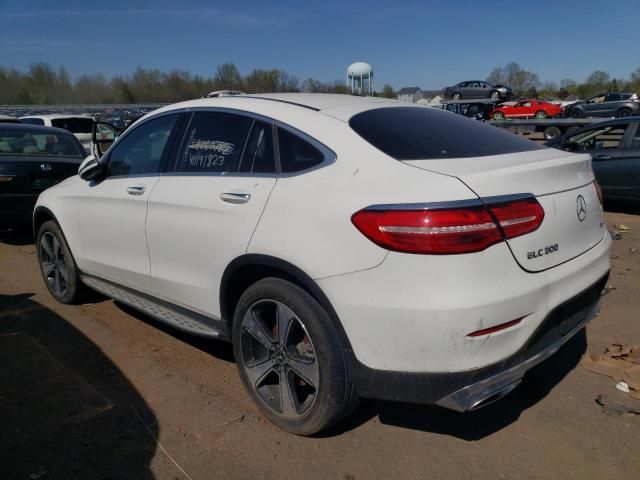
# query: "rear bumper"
{"type": "Point", "coordinates": [469, 390]}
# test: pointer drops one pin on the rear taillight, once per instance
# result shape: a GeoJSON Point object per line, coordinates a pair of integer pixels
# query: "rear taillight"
{"type": "Point", "coordinates": [598, 190]}
{"type": "Point", "coordinates": [519, 217]}
{"type": "Point", "coordinates": [448, 231]}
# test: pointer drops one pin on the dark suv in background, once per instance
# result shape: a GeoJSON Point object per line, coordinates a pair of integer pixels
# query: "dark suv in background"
{"type": "Point", "coordinates": [611, 104]}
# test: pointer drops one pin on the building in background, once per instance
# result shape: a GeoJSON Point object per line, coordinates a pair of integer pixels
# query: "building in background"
{"type": "Point", "coordinates": [360, 78]}
{"type": "Point", "coordinates": [410, 94]}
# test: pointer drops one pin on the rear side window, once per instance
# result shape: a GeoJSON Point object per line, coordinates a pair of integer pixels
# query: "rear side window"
{"type": "Point", "coordinates": [296, 154]}
{"type": "Point", "coordinates": [422, 133]}
{"type": "Point", "coordinates": [597, 138]}
{"type": "Point", "coordinates": [258, 154]}
{"type": "Point", "coordinates": [74, 125]}
{"type": "Point", "coordinates": [213, 143]}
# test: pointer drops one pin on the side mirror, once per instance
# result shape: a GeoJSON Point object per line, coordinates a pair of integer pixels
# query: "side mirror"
{"type": "Point", "coordinates": [103, 135]}
{"type": "Point", "coordinates": [91, 168]}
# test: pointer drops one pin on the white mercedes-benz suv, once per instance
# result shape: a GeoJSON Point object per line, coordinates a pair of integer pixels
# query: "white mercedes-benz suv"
{"type": "Point", "coordinates": [348, 247]}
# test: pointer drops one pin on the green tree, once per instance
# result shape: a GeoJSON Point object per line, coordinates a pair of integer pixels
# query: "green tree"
{"type": "Point", "coordinates": [387, 91]}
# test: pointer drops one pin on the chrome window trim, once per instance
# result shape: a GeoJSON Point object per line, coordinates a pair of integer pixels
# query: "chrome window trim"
{"type": "Point", "coordinates": [329, 155]}
{"type": "Point", "coordinates": [452, 204]}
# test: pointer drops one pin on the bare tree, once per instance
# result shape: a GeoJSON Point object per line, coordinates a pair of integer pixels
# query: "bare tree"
{"type": "Point", "coordinates": [496, 76]}
{"type": "Point", "coordinates": [227, 77]}
{"type": "Point", "coordinates": [598, 80]}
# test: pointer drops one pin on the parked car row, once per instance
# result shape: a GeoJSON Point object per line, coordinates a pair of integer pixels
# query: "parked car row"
{"type": "Point", "coordinates": [614, 147]}
{"type": "Point", "coordinates": [607, 104]}
{"type": "Point", "coordinates": [32, 159]}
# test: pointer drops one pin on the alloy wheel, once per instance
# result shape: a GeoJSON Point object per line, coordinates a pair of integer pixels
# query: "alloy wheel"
{"type": "Point", "coordinates": [54, 267]}
{"type": "Point", "coordinates": [279, 359]}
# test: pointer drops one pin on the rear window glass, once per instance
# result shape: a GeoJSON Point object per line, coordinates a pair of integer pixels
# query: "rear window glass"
{"type": "Point", "coordinates": [32, 121]}
{"type": "Point", "coordinates": [416, 133]}
{"type": "Point", "coordinates": [75, 125]}
{"type": "Point", "coordinates": [24, 142]}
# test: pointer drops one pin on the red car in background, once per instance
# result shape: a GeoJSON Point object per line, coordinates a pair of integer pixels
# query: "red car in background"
{"type": "Point", "coordinates": [526, 109]}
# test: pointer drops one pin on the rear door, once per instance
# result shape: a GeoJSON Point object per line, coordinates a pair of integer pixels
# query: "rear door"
{"type": "Point", "coordinates": [203, 214]}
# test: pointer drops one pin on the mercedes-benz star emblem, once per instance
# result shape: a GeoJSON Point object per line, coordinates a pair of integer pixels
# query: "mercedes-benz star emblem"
{"type": "Point", "coordinates": [581, 208]}
{"type": "Point", "coordinates": [45, 167]}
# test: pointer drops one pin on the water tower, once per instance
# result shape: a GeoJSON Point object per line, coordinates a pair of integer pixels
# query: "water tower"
{"type": "Point", "coordinates": [357, 74]}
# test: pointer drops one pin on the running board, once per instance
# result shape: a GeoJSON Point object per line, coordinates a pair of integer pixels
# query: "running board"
{"type": "Point", "coordinates": [172, 315]}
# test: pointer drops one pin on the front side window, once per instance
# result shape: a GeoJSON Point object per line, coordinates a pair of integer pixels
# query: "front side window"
{"type": "Point", "coordinates": [141, 150]}
{"type": "Point", "coordinates": [597, 138]}
{"type": "Point", "coordinates": [25, 142]}
{"type": "Point", "coordinates": [296, 154]}
{"type": "Point", "coordinates": [74, 124]}
{"type": "Point", "coordinates": [213, 143]}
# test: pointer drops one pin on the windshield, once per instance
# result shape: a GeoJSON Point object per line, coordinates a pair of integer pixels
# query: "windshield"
{"type": "Point", "coordinates": [416, 133]}
{"type": "Point", "coordinates": [25, 142]}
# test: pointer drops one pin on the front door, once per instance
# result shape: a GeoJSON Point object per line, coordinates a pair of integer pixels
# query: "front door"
{"type": "Point", "coordinates": [203, 214]}
{"type": "Point", "coordinates": [111, 213]}
{"type": "Point", "coordinates": [618, 169]}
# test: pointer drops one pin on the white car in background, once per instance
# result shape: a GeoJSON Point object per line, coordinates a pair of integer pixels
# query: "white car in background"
{"type": "Point", "coordinates": [80, 125]}
{"type": "Point", "coordinates": [346, 246]}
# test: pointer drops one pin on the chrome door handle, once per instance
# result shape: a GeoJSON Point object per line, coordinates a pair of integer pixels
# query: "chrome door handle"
{"type": "Point", "coordinates": [234, 197]}
{"type": "Point", "coordinates": [602, 157]}
{"type": "Point", "coordinates": [136, 190]}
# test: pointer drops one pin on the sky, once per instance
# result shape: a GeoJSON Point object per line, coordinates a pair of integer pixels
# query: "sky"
{"type": "Point", "coordinates": [430, 44]}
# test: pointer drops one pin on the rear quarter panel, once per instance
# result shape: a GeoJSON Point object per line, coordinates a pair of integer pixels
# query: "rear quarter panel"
{"type": "Point", "coordinates": [307, 221]}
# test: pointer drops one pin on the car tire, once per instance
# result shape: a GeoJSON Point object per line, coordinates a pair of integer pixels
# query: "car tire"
{"type": "Point", "coordinates": [624, 112]}
{"type": "Point", "coordinates": [494, 95]}
{"type": "Point", "coordinates": [575, 113]}
{"type": "Point", "coordinates": [498, 115]}
{"type": "Point", "coordinates": [551, 132]}
{"type": "Point", "coordinates": [541, 114]}
{"type": "Point", "coordinates": [456, 96]}
{"type": "Point", "coordinates": [299, 379]}
{"type": "Point", "coordinates": [57, 265]}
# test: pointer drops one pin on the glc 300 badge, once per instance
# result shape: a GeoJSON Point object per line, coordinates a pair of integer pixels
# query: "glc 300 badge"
{"type": "Point", "coordinates": [542, 251]}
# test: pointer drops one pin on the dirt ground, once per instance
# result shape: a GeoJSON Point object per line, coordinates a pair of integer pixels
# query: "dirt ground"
{"type": "Point", "coordinates": [99, 391]}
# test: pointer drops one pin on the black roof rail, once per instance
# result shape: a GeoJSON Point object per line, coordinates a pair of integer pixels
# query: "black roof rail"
{"type": "Point", "coordinates": [279, 100]}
